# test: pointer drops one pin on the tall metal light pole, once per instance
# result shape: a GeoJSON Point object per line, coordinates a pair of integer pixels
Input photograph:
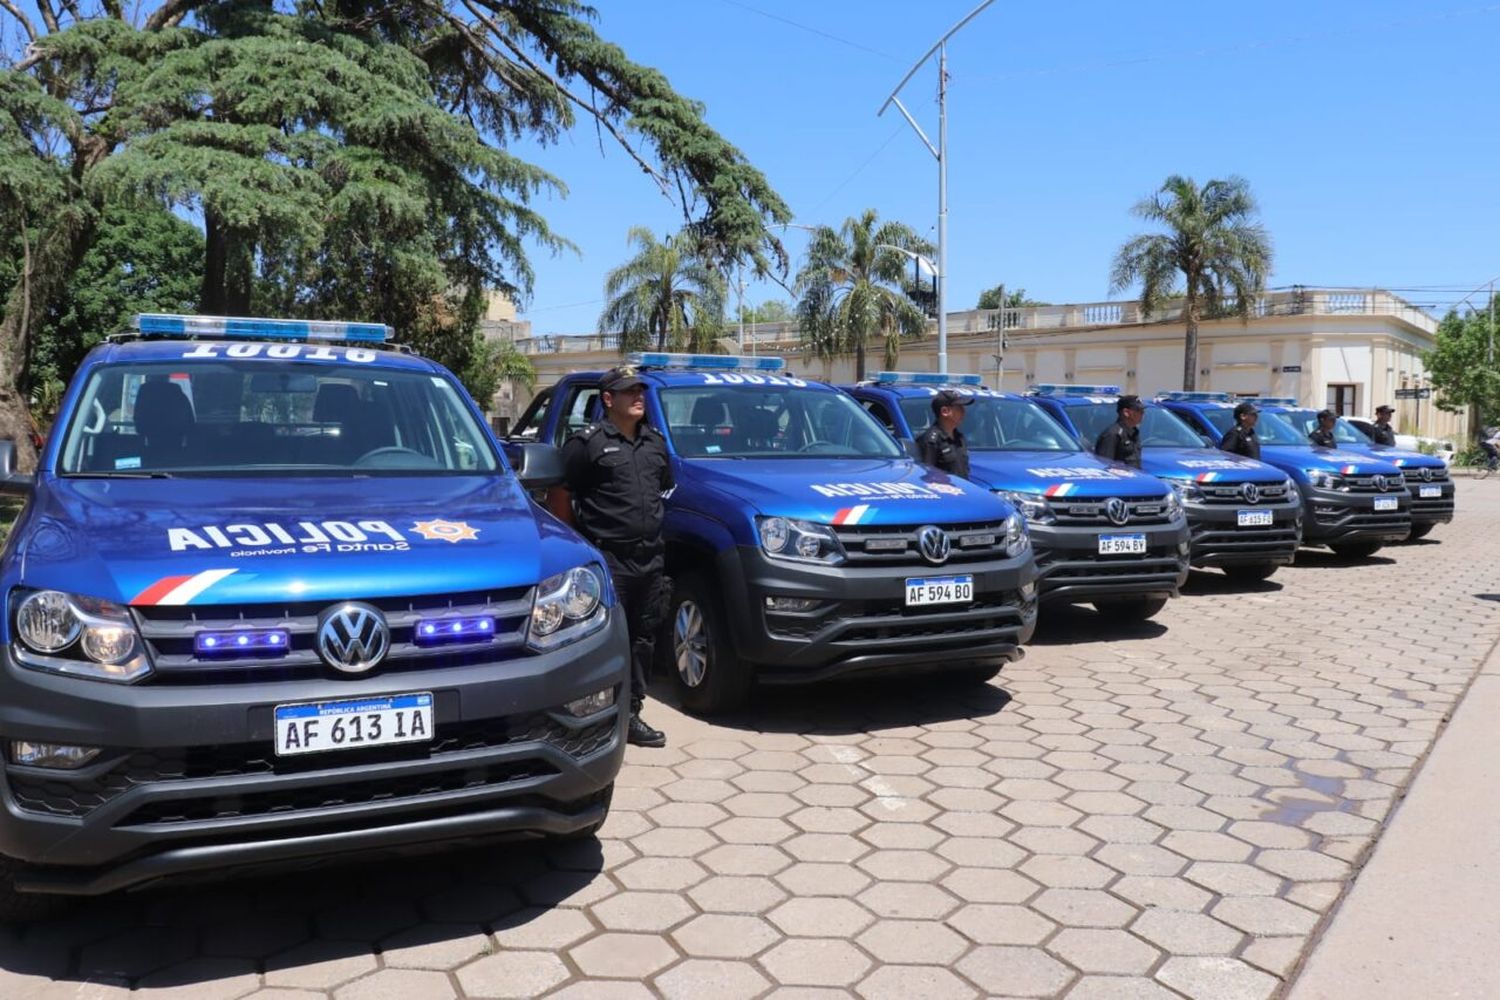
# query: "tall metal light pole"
{"type": "Point", "coordinates": [940, 151]}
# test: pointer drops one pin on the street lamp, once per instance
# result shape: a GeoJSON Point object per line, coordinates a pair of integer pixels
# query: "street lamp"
{"type": "Point", "coordinates": [940, 151]}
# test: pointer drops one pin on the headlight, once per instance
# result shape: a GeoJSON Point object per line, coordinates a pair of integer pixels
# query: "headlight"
{"type": "Point", "coordinates": [1292, 493]}
{"type": "Point", "coordinates": [1032, 505]}
{"type": "Point", "coordinates": [567, 607]}
{"type": "Point", "coordinates": [1017, 540]}
{"type": "Point", "coordinates": [1174, 505]}
{"type": "Point", "coordinates": [80, 636]}
{"type": "Point", "coordinates": [1322, 480]}
{"type": "Point", "coordinates": [1186, 491]}
{"type": "Point", "coordinates": [799, 541]}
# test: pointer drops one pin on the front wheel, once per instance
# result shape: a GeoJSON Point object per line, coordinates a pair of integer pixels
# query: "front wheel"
{"type": "Point", "coordinates": [1130, 609]}
{"type": "Point", "coordinates": [1480, 469]}
{"type": "Point", "coordinates": [1420, 531]}
{"type": "Point", "coordinates": [709, 677]}
{"type": "Point", "coordinates": [1252, 573]}
{"type": "Point", "coordinates": [1355, 550]}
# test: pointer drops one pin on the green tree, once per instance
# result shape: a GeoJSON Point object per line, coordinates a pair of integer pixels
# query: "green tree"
{"type": "Point", "coordinates": [1212, 240]}
{"type": "Point", "coordinates": [345, 158]}
{"type": "Point", "coordinates": [493, 362]}
{"type": "Point", "coordinates": [1463, 368]}
{"type": "Point", "coordinates": [666, 293]}
{"type": "Point", "coordinates": [769, 311]}
{"type": "Point", "coordinates": [852, 289]}
{"type": "Point", "coordinates": [990, 299]}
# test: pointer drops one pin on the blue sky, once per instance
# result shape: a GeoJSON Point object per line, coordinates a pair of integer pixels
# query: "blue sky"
{"type": "Point", "coordinates": [1368, 132]}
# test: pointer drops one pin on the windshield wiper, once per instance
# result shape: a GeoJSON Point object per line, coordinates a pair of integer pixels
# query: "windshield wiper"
{"type": "Point", "coordinates": [120, 475]}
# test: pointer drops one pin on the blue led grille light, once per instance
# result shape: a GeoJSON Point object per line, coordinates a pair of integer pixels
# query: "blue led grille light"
{"type": "Point", "coordinates": [440, 631]}
{"type": "Point", "coordinates": [706, 362]}
{"type": "Point", "coordinates": [1072, 389]}
{"type": "Point", "coordinates": [243, 642]}
{"type": "Point", "coordinates": [1273, 400]}
{"type": "Point", "coordinates": [1196, 396]}
{"type": "Point", "coordinates": [928, 378]}
{"type": "Point", "coordinates": [230, 327]}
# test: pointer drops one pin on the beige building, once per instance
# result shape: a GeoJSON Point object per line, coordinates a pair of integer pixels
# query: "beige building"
{"type": "Point", "coordinates": [1345, 348]}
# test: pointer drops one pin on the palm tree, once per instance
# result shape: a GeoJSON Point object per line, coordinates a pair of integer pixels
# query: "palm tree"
{"type": "Point", "coordinates": [666, 292]}
{"type": "Point", "coordinates": [852, 288]}
{"type": "Point", "coordinates": [1213, 241]}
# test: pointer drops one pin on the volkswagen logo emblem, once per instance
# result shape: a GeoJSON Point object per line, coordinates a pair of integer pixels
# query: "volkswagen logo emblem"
{"type": "Point", "coordinates": [1380, 483]}
{"type": "Point", "coordinates": [1426, 475]}
{"type": "Point", "coordinates": [1116, 510]}
{"type": "Point", "coordinates": [353, 637]}
{"type": "Point", "coordinates": [1250, 492]}
{"type": "Point", "coordinates": [934, 545]}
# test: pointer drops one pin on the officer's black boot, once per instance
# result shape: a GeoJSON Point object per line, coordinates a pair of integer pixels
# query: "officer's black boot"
{"type": "Point", "coordinates": [640, 734]}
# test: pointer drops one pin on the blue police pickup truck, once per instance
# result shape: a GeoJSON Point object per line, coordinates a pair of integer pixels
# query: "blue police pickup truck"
{"type": "Point", "coordinates": [1351, 502]}
{"type": "Point", "coordinates": [1245, 516]}
{"type": "Point", "coordinates": [803, 542]}
{"type": "Point", "coordinates": [1427, 479]}
{"type": "Point", "coordinates": [1104, 533]}
{"type": "Point", "coordinates": [276, 597]}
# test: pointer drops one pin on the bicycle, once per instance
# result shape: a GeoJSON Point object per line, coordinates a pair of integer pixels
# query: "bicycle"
{"type": "Point", "coordinates": [1482, 466]}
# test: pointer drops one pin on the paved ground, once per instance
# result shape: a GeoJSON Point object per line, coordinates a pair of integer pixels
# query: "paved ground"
{"type": "Point", "coordinates": [1169, 812]}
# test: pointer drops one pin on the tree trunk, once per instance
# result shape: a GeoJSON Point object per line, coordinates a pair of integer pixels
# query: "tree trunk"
{"type": "Point", "coordinates": [1190, 342]}
{"type": "Point", "coordinates": [215, 261]}
{"type": "Point", "coordinates": [859, 361]}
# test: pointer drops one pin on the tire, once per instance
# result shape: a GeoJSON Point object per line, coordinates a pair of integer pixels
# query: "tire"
{"type": "Point", "coordinates": [709, 676]}
{"type": "Point", "coordinates": [1355, 550]}
{"type": "Point", "coordinates": [592, 830]}
{"type": "Point", "coordinates": [1251, 572]}
{"type": "Point", "coordinates": [1480, 469]}
{"type": "Point", "coordinates": [24, 907]}
{"type": "Point", "coordinates": [1130, 609]}
{"type": "Point", "coordinates": [1420, 531]}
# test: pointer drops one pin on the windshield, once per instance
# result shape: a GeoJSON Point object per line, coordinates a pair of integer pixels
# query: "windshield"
{"type": "Point", "coordinates": [757, 421]}
{"type": "Point", "coordinates": [994, 423]}
{"type": "Point", "coordinates": [271, 419]}
{"type": "Point", "coordinates": [1161, 428]}
{"type": "Point", "coordinates": [1306, 421]}
{"type": "Point", "coordinates": [1270, 428]}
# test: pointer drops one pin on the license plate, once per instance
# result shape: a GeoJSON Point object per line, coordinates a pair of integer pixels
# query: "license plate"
{"type": "Point", "coordinates": [348, 725]}
{"type": "Point", "coordinates": [939, 590]}
{"type": "Point", "coordinates": [1428, 492]}
{"type": "Point", "coordinates": [1115, 545]}
{"type": "Point", "coordinates": [1254, 518]}
{"type": "Point", "coordinates": [1387, 503]}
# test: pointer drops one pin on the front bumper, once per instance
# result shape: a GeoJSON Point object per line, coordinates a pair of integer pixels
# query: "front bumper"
{"type": "Point", "coordinates": [189, 781]}
{"type": "Point", "coordinates": [1071, 570]}
{"type": "Point", "coordinates": [1432, 510]}
{"type": "Point", "coordinates": [862, 626]}
{"type": "Point", "coordinates": [1219, 540]}
{"type": "Point", "coordinates": [1332, 516]}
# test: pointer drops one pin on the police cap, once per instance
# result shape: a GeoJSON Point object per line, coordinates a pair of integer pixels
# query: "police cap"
{"type": "Point", "coordinates": [1385, 408]}
{"type": "Point", "coordinates": [1244, 408]}
{"type": "Point", "coordinates": [1326, 415]}
{"type": "Point", "coordinates": [621, 378]}
{"type": "Point", "coordinates": [949, 397]}
{"type": "Point", "coordinates": [1129, 402]}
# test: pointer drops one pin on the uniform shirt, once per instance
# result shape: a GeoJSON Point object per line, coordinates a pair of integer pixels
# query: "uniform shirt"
{"type": "Point", "coordinates": [1383, 433]}
{"type": "Point", "coordinates": [1241, 441]}
{"type": "Point", "coordinates": [942, 451]}
{"type": "Point", "coordinates": [1119, 443]}
{"type": "Point", "coordinates": [1321, 438]}
{"type": "Point", "coordinates": [618, 483]}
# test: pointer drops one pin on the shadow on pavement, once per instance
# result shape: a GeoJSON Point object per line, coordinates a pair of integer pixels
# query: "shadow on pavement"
{"type": "Point", "coordinates": [298, 927]}
{"type": "Point", "coordinates": [1061, 625]}
{"type": "Point", "coordinates": [1318, 559]}
{"type": "Point", "coordinates": [1212, 582]}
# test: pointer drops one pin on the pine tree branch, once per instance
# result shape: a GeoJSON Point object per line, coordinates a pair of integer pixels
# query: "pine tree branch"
{"type": "Point", "coordinates": [20, 16]}
{"type": "Point", "coordinates": [169, 14]}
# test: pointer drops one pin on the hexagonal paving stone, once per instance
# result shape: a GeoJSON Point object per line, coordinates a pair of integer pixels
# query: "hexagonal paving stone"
{"type": "Point", "coordinates": [1203, 846]}
{"type": "Point", "coordinates": [911, 900]}
{"type": "Point", "coordinates": [1063, 871]}
{"type": "Point", "coordinates": [818, 878]}
{"type": "Point", "coordinates": [815, 962]}
{"type": "Point", "coordinates": [512, 974]}
{"type": "Point", "coordinates": [642, 911]}
{"type": "Point", "coordinates": [914, 942]}
{"type": "Point", "coordinates": [546, 929]}
{"type": "Point", "coordinates": [195, 979]}
{"type": "Point", "coordinates": [1264, 916]}
{"type": "Point", "coordinates": [434, 946]}
{"type": "Point", "coordinates": [1216, 979]}
{"type": "Point", "coordinates": [913, 982]}
{"type": "Point", "coordinates": [698, 978]}
{"type": "Point", "coordinates": [1020, 972]}
{"type": "Point", "coordinates": [722, 935]}
{"type": "Point", "coordinates": [671, 874]}
{"type": "Point", "coordinates": [992, 923]}
{"type": "Point", "coordinates": [904, 866]}
{"type": "Point", "coordinates": [982, 852]}
{"type": "Point", "coordinates": [1119, 988]}
{"type": "Point", "coordinates": [1103, 951]}
{"type": "Point", "coordinates": [1084, 908]}
{"type": "Point", "coordinates": [737, 894]}
{"type": "Point", "coordinates": [622, 956]}
{"type": "Point", "coordinates": [1152, 890]}
{"type": "Point", "coordinates": [990, 885]}
{"type": "Point", "coordinates": [674, 842]}
{"type": "Point", "coordinates": [1180, 932]}
{"type": "Point", "coordinates": [821, 917]}
{"type": "Point", "coordinates": [397, 984]}
{"type": "Point", "coordinates": [319, 965]}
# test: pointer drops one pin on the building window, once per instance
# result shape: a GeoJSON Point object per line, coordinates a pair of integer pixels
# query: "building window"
{"type": "Point", "coordinates": [1343, 399]}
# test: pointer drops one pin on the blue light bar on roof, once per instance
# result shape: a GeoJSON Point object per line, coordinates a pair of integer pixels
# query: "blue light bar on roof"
{"type": "Point", "coordinates": [1072, 389]}
{"type": "Point", "coordinates": [1196, 396]}
{"type": "Point", "coordinates": [230, 327]}
{"type": "Point", "coordinates": [928, 378]}
{"type": "Point", "coordinates": [706, 362]}
{"type": "Point", "coordinates": [1274, 400]}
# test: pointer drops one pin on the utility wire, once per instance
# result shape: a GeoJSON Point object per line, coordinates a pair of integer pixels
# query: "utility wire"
{"type": "Point", "coordinates": [901, 127]}
{"type": "Point", "coordinates": [810, 29]}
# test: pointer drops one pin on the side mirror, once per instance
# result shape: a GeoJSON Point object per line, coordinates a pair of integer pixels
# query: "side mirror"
{"type": "Point", "coordinates": [12, 483]}
{"type": "Point", "coordinates": [912, 451]}
{"type": "Point", "coordinates": [538, 466]}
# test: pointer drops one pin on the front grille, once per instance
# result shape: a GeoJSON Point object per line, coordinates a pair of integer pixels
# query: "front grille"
{"type": "Point", "coordinates": [1414, 476]}
{"type": "Point", "coordinates": [1233, 493]}
{"type": "Point", "coordinates": [169, 632]}
{"type": "Point", "coordinates": [1078, 569]}
{"type": "Point", "coordinates": [1394, 522]}
{"type": "Point", "coordinates": [874, 621]}
{"type": "Point", "coordinates": [1213, 544]}
{"type": "Point", "coordinates": [1141, 511]}
{"type": "Point", "coordinates": [880, 545]}
{"type": "Point", "coordinates": [1367, 484]}
{"type": "Point", "coordinates": [157, 767]}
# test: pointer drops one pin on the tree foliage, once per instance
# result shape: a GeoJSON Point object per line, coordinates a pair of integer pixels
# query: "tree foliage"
{"type": "Point", "coordinates": [667, 293]}
{"type": "Point", "coordinates": [852, 289]}
{"type": "Point", "coordinates": [1463, 367]}
{"type": "Point", "coordinates": [990, 299]}
{"type": "Point", "coordinates": [1212, 240]}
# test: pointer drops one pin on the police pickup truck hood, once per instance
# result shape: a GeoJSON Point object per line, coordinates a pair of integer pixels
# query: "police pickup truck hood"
{"type": "Point", "coordinates": [1207, 465]}
{"type": "Point", "coordinates": [244, 541]}
{"type": "Point", "coordinates": [1403, 457]}
{"type": "Point", "coordinates": [847, 491]}
{"type": "Point", "coordinates": [1062, 473]}
{"type": "Point", "coordinates": [1336, 460]}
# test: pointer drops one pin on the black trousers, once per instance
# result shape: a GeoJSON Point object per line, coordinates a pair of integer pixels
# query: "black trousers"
{"type": "Point", "coordinates": [642, 589]}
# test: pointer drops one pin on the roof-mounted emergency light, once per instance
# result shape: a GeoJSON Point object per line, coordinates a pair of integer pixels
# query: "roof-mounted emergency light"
{"type": "Point", "coordinates": [256, 328]}
{"type": "Point", "coordinates": [1196, 396]}
{"type": "Point", "coordinates": [705, 362]}
{"type": "Point", "coordinates": [1072, 389]}
{"type": "Point", "coordinates": [928, 378]}
{"type": "Point", "coordinates": [1274, 400]}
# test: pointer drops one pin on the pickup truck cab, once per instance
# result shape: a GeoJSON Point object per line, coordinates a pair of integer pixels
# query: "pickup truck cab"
{"type": "Point", "coordinates": [1245, 516]}
{"type": "Point", "coordinates": [1104, 533]}
{"type": "Point", "coordinates": [275, 596]}
{"type": "Point", "coordinates": [803, 542]}
{"type": "Point", "coordinates": [1427, 479]}
{"type": "Point", "coordinates": [1352, 502]}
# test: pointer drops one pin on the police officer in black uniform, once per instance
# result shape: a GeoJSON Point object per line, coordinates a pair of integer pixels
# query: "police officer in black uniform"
{"type": "Point", "coordinates": [619, 473]}
{"type": "Point", "coordinates": [942, 444]}
{"type": "Point", "coordinates": [1240, 439]}
{"type": "Point", "coordinates": [1121, 440]}
{"type": "Point", "coordinates": [1382, 432]}
{"type": "Point", "coordinates": [1322, 435]}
